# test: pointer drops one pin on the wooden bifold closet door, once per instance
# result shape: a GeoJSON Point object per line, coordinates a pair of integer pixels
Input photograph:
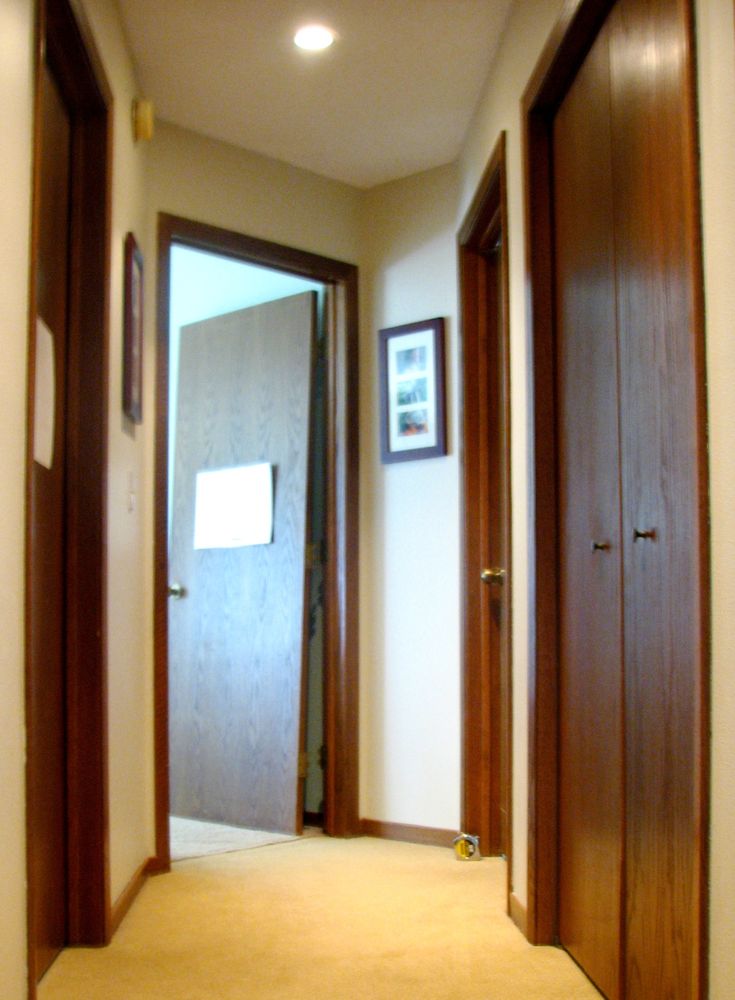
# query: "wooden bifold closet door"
{"type": "Point", "coordinates": [590, 692]}
{"type": "Point", "coordinates": [630, 560]}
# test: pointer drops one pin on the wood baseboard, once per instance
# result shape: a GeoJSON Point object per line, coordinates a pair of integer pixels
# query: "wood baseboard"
{"type": "Point", "coordinates": [409, 834]}
{"type": "Point", "coordinates": [157, 866]}
{"type": "Point", "coordinates": [518, 913]}
{"type": "Point", "coordinates": [127, 897]}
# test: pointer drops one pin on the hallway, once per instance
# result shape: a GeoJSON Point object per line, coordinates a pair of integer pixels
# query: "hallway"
{"type": "Point", "coordinates": [334, 919]}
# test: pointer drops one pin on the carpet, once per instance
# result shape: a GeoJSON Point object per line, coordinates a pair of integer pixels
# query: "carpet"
{"type": "Point", "coordinates": [193, 838]}
{"type": "Point", "coordinates": [321, 919]}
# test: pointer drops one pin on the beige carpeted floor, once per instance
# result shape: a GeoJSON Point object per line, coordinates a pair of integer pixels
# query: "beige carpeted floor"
{"type": "Point", "coordinates": [320, 919]}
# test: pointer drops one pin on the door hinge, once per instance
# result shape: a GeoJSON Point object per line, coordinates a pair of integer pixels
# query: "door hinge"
{"type": "Point", "coordinates": [315, 555]}
{"type": "Point", "coordinates": [323, 756]}
{"type": "Point", "coordinates": [303, 765]}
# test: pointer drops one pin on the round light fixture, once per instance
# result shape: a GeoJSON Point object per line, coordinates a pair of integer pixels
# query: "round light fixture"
{"type": "Point", "coordinates": [314, 37]}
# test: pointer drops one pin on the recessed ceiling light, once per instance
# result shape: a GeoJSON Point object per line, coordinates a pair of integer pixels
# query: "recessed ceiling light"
{"type": "Point", "coordinates": [314, 37]}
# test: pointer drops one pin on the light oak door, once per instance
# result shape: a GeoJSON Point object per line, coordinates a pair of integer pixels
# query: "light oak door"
{"type": "Point", "coordinates": [238, 626]}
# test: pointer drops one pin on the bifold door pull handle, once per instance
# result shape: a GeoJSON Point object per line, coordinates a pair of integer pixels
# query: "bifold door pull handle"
{"type": "Point", "coordinates": [600, 546]}
{"type": "Point", "coordinates": [176, 590]}
{"type": "Point", "coordinates": [493, 575]}
{"type": "Point", "coordinates": [650, 534]}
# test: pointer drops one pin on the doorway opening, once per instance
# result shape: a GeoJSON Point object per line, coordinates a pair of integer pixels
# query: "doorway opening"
{"type": "Point", "coordinates": [298, 763]}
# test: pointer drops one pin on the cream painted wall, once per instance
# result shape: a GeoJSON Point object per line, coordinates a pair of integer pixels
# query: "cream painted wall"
{"type": "Point", "coordinates": [16, 34]}
{"type": "Point", "coordinates": [410, 689]}
{"type": "Point", "coordinates": [410, 645]}
{"type": "Point", "coordinates": [716, 34]}
{"type": "Point", "coordinates": [409, 525]}
{"type": "Point", "coordinates": [209, 181]}
{"type": "Point", "coordinates": [402, 236]}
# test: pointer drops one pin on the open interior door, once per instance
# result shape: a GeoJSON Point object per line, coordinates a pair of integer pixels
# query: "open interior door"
{"type": "Point", "coordinates": [238, 611]}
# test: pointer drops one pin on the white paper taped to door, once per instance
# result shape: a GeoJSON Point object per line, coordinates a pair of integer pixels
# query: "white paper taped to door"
{"type": "Point", "coordinates": [45, 396]}
{"type": "Point", "coordinates": [234, 507]}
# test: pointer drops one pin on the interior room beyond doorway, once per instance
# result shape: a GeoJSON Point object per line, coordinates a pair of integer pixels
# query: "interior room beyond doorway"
{"type": "Point", "coordinates": [205, 286]}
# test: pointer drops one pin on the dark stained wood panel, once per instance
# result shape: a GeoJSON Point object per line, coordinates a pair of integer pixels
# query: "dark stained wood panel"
{"type": "Point", "coordinates": [666, 634]}
{"type": "Point", "coordinates": [47, 670]}
{"type": "Point", "coordinates": [237, 639]}
{"type": "Point", "coordinates": [495, 520]}
{"type": "Point", "coordinates": [657, 244]}
{"type": "Point", "coordinates": [590, 602]}
{"type": "Point", "coordinates": [66, 527]}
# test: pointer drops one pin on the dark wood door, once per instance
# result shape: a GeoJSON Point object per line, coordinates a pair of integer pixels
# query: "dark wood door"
{"type": "Point", "coordinates": [486, 541]}
{"type": "Point", "coordinates": [494, 516]}
{"type": "Point", "coordinates": [47, 690]}
{"type": "Point", "coordinates": [630, 563]}
{"type": "Point", "coordinates": [238, 636]}
{"type": "Point", "coordinates": [590, 644]}
{"type": "Point", "coordinates": [657, 236]}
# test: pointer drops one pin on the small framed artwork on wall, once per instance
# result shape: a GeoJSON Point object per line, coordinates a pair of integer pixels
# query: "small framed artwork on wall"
{"type": "Point", "coordinates": [412, 394]}
{"type": "Point", "coordinates": [133, 332]}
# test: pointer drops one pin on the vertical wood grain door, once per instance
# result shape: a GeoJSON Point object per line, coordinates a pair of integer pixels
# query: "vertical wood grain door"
{"type": "Point", "coordinates": [630, 564]}
{"type": "Point", "coordinates": [486, 537]}
{"type": "Point", "coordinates": [590, 604]}
{"type": "Point", "coordinates": [238, 633]}
{"type": "Point", "coordinates": [66, 527]}
{"type": "Point", "coordinates": [47, 680]}
{"type": "Point", "coordinates": [664, 554]}
{"type": "Point", "coordinates": [494, 576]}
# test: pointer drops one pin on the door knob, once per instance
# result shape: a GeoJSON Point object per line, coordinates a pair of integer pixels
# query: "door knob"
{"type": "Point", "coordinates": [649, 534]}
{"type": "Point", "coordinates": [600, 546]}
{"type": "Point", "coordinates": [176, 590]}
{"type": "Point", "coordinates": [493, 575]}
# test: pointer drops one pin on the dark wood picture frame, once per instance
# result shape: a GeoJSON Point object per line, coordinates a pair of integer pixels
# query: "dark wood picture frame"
{"type": "Point", "coordinates": [133, 331]}
{"type": "Point", "coordinates": [412, 391]}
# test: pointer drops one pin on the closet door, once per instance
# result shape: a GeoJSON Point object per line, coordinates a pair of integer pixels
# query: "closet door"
{"type": "Point", "coordinates": [631, 557]}
{"type": "Point", "coordinates": [657, 271]}
{"type": "Point", "coordinates": [591, 723]}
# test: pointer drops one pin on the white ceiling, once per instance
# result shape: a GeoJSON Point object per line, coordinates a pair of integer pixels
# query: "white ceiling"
{"type": "Point", "coordinates": [393, 96]}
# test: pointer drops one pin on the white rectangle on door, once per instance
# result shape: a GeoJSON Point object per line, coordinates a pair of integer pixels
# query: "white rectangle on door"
{"type": "Point", "coordinates": [234, 507]}
{"type": "Point", "coordinates": [45, 396]}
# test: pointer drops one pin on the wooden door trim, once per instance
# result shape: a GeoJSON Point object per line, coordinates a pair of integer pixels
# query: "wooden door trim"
{"type": "Point", "coordinates": [486, 694]}
{"type": "Point", "coordinates": [341, 581]}
{"type": "Point", "coordinates": [568, 45]}
{"type": "Point", "coordinates": [64, 35]}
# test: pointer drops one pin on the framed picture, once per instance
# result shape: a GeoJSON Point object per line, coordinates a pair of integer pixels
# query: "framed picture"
{"type": "Point", "coordinates": [133, 331]}
{"type": "Point", "coordinates": [413, 421]}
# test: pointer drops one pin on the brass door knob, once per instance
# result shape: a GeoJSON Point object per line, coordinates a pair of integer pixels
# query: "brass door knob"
{"type": "Point", "coordinates": [493, 575]}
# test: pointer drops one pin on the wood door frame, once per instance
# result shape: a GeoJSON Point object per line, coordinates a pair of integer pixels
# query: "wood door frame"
{"type": "Point", "coordinates": [64, 37]}
{"type": "Point", "coordinates": [564, 53]}
{"type": "Point", "coordinates": [487, 691]}
{"type": "Point", "coordinates": [341, 569]}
